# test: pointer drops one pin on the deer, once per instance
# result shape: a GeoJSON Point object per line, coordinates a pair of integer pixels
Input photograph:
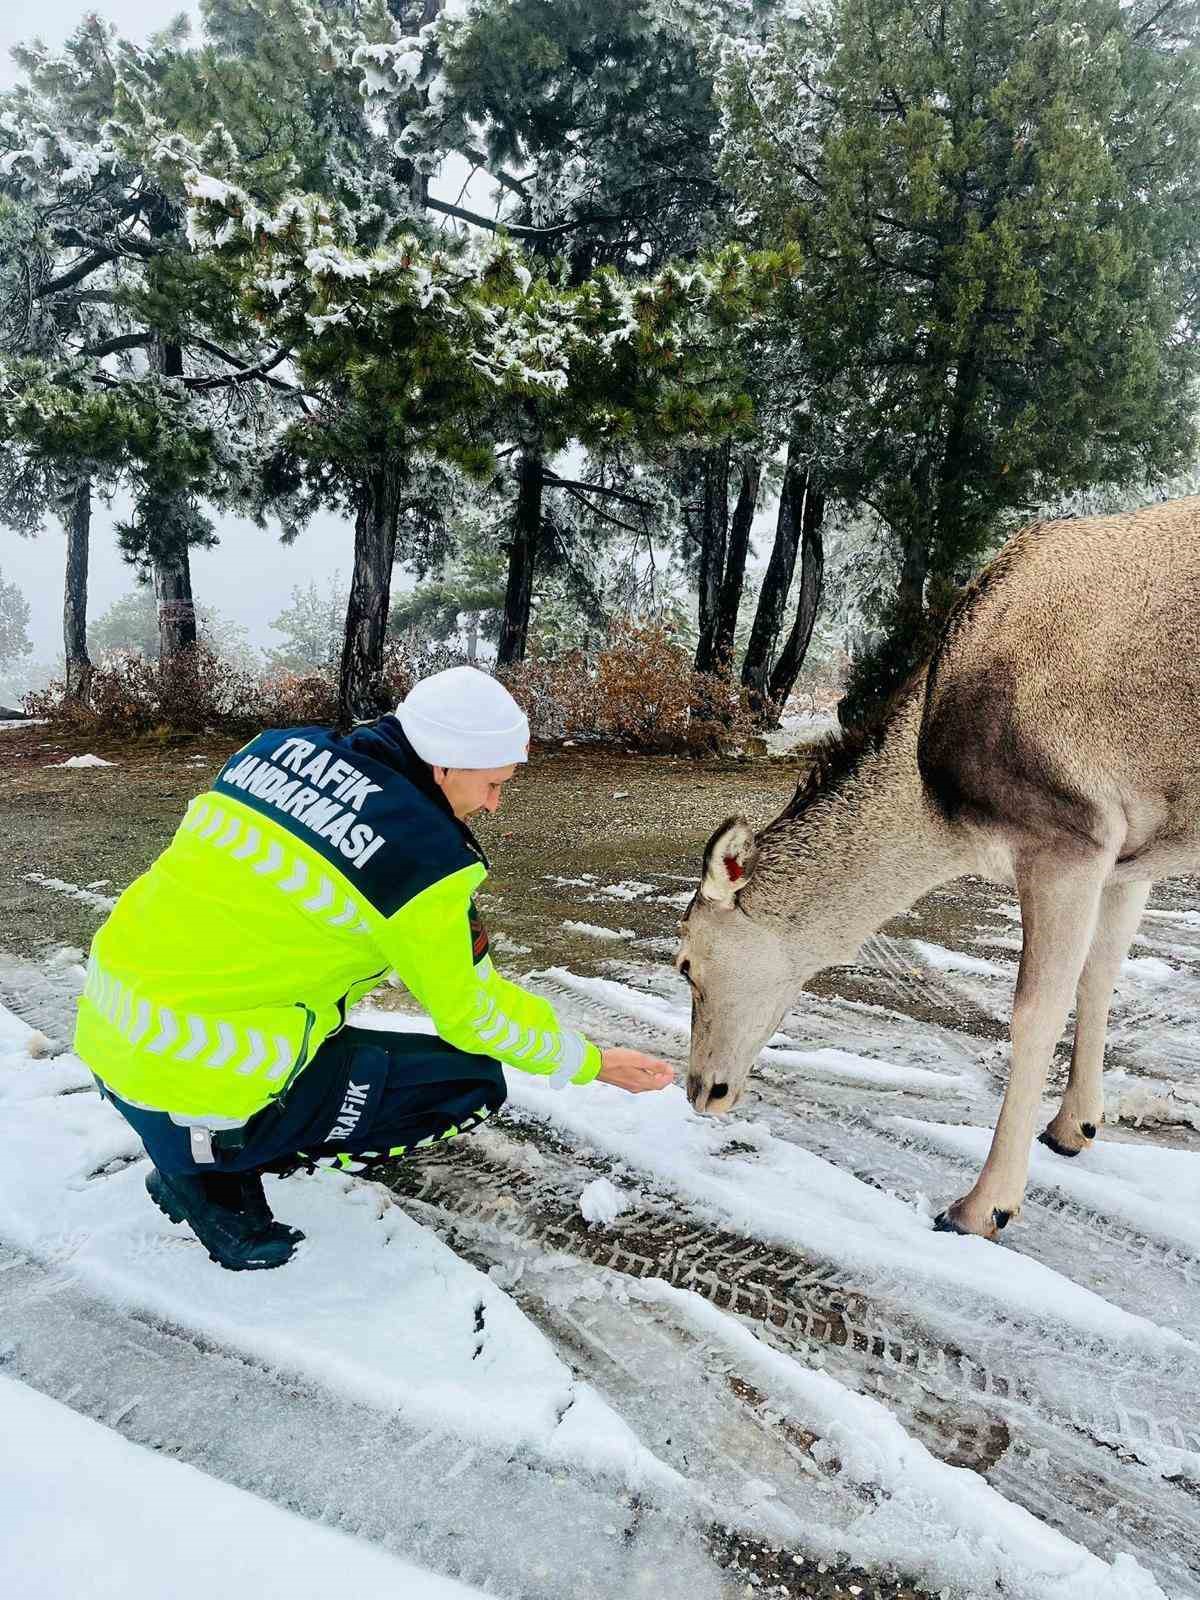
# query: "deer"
{"type": "Point", "coordinates": [1050, 743]}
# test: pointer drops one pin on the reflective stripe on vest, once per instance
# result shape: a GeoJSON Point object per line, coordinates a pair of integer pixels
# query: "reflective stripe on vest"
{"type": "Point", "coordinates": [209, 1042]}
{"type": "Point", "coordinates": [225, 827]}
{"type": "Point", "coordinates": [494, 1027]}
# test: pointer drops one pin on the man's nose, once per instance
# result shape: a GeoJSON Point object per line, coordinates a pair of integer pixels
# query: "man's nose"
{"type": "Point", "coordinates": [492, 803]}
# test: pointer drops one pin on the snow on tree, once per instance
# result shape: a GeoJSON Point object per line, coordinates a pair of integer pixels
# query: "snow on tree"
{"type": "Point", "coordinates": [93, 387]}
{"type": "Point", "coordinates": [596, 123]}
{"type": "Point", "coordinates": [998, 209]}
{"type": "Point", "coordinates": [312, 624]}
{"type": "Point", "coordinates": [14, 623]}
{"type": "Point", "coordinates": [415, 355]}
{"type": "Point", "coordinates": [128, 364]}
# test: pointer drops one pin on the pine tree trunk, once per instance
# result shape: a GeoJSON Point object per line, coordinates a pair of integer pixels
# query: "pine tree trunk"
{"type": "Point", "coordinates": [777, 581]}
{"type": "Point", "coordinates": [360, 679]}
{"type": "Point", "coordinates": [951, 528]}
{"type": "Point", "coordinates": [812, 572]}
{"type": "Point", "coordinates": [733, 580]}
{"type": "Point", "coordinates": [522, 559]}
{"type": "Point", "coordinates": [171, 566]}
{"type": "Point", "coordinates": [714, 537]}
{"type": "Point", "coordinates": [472, 631]}
{"type": "Point", "coordinates": [914, 569]}
{"type": "Point", "coordinates": [78, 521]}
{"type": "Point", "coordinates": [411, 23]}
{"type": "Point", "coordinates": [176, 609]}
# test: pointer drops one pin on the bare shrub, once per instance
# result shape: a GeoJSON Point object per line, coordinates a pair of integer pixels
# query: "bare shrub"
{"type": "Point", "coordinates": [822, 681]}
{"type": "Point", "coordinates": [639, 690]}
{"type": "Point", "coordinates": [193, 692]}
{"type": "Point", "coordinates": [296, 700]}
{"type": "Point", "coordinates": [559, 696]}
{"type": "Point", "coordinates": [407, 659]}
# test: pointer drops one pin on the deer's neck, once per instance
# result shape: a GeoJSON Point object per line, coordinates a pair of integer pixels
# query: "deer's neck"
{"type": "Point", "coordinates": [860, 852]}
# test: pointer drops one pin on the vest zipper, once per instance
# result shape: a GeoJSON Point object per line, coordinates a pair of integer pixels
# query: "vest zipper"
{"type": "Point", "coordinates": [310, 1018]}
{"type": "Point", "coordinates": [341, 1004]}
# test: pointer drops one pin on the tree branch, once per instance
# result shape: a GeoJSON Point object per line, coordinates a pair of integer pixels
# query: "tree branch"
{"type": "Point", "coordinates": [605, 516]}
{"type": "Point", "coordinates": [507, 181]}
{"type": "Point", "coordinates": [76, 274]}
{"type": "Point", "coordinates": [242, 373]}
{"type": "Point", "coordinates": [517, 229]}
{"type": "Point", "coordinates": [1154, 18]}
{"type": "Point", "coordinates": [138, 248]}
{"type": "Point", "coordinates": [122, 341]}
{"type": "Point", "coordinates": [553, 481]}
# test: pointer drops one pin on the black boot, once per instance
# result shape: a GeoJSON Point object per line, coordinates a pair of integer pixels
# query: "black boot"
{"type": "Point", "coordinates": [228, 1213]}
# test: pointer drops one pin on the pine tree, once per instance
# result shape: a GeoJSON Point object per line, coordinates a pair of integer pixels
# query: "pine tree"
{"type": "Point", "coordinates": [998, 209]}
{"type": "Point", "coordinates": [595, 121]}
{"type": "Point", "coordinates": [14, 623]}
{"type": "Point", "coordinates": [108, 377]}
{"type": "Point", "coordinates": [415, 360]}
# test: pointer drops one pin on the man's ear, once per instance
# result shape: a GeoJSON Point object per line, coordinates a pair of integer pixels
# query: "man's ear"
{"type": "Point", "coordinates": [729, 861]}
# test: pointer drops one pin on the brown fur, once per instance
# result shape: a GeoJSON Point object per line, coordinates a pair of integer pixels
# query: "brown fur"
{"type": "Point", "coordinates": [1045, 699]}
{"type": "Point", "coordinates": [838, 756]}
{"type": "Point", "coordinates": [1050, 742]}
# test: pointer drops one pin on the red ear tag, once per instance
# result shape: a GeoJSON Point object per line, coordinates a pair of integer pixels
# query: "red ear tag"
{"type": "Point", "coordinates": [734, 868]}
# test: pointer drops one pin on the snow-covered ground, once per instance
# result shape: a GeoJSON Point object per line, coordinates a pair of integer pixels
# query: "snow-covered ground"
{"type": "Point", "coordinates": [85, 1512]}
{"type": "Point", "coordinates": [610, 1347]}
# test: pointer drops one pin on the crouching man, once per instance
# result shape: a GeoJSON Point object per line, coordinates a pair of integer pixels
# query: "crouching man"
{"type": "Point", "coordinates": [214, 1014]}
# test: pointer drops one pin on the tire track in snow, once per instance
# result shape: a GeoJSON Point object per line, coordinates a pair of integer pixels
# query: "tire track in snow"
{"type": "Point", "coordinates": [624, 1019]}
{"type": "Point", "coordinates": [801, 1096]}
{"type": "Point", "coordinates": [43, 994]}
{"type": "Point", "coordinates": [363, 1469]}
{"type": "Point", "coordinates": [806, 1298]}
{"type": "Point", "coordinates": [1074, 1464]}
{"type": "Point", "coordinates": [794, 1300]}
{"type": "Point", "coordinates": [1089, 1389]}
{"type": "Point", "coordinates": [753, 1464]}
{"type": "Point", "coordinates": [898, 1160]}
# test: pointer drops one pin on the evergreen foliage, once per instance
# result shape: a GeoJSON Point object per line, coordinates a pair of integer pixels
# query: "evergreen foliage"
{"type": "Point", "coordinates": [311, 625]}
{"type": "Point", "coordinates": [933, 266]}
{"type": "Point", "coordinates": [14, 623]}
{"type": "Point", "coordinates": [998, 209]}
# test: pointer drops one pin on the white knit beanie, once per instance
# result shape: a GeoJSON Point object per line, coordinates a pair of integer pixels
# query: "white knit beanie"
{"type": "Point", "coordinates": [464, 718]}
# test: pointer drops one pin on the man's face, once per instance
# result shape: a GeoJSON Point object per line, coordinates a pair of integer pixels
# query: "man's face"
{"type": "Point", "coordinates": [472, 789]}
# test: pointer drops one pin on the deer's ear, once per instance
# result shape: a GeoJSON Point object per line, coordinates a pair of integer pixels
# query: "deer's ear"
{"type": "Point", "coordinates": [729, 858]}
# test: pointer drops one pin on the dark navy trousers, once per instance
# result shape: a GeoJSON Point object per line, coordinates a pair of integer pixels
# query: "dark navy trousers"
{"type": "Point", "coordinates": [365, 1096]}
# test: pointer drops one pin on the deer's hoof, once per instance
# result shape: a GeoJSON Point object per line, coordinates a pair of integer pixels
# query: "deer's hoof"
{"type": "Point", "coordinates": [945, 1223]}
{"type": "Point", "coordinates": [1066, 1137]}
{"type": "Point", "coordinates": [968, 1220]}
{"type": "Point", "coordinates": [1051, 1143]}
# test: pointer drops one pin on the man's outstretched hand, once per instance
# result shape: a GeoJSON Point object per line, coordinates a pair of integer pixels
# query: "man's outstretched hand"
{"type": "Point", "coordinates": [630, 1069]}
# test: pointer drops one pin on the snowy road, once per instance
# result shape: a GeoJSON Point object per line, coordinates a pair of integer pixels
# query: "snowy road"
{"type": "Point", "coordinates": [75, 1486]}
{"type": "Point", "coordinates": [763, 1353]}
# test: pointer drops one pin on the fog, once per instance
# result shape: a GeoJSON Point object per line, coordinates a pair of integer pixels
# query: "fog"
{"type": "Point", "coordinates": [249, 576]}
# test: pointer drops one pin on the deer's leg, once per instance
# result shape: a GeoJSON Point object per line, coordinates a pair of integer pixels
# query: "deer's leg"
{"type": "Point", "coordinates": [1082, 1109]}
{"type": "Point", "coordinates": [1059, 906]}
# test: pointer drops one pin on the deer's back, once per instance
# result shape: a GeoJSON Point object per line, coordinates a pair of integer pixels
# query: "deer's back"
{"type": "Point", "coordinates": [1066, 689]}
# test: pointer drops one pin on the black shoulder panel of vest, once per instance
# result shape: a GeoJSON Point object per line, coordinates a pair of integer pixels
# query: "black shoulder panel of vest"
{"type": "Point", "coordinates": [366, 818]}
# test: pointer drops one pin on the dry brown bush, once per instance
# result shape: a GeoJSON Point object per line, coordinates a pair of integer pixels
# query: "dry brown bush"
{"type": "Point", "coordinates": [639, 690]}
{"type": "Point", "coordinates": [406, 660]}
{"type": "Point", "coordinates": [192, 692]}
{"type": "Point", "coordinates": [296, 700]}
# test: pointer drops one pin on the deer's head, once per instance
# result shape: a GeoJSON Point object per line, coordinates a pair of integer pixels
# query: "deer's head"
{"type": "Point", "coordinates": [742, 970]}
